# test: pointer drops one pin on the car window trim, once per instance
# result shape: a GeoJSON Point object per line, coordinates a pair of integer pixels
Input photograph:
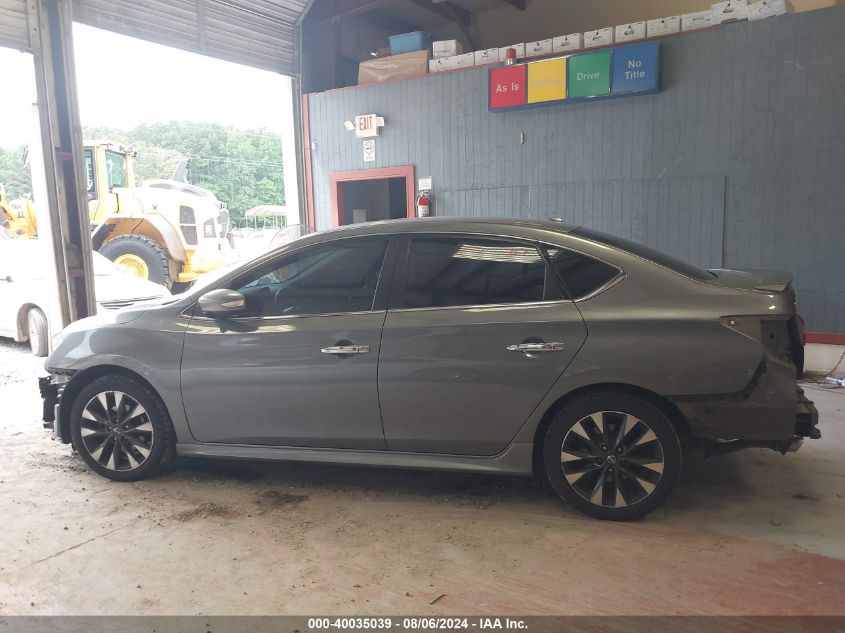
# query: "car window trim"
{"type": "Point", "coordinates": [380, 297]}
{"type": "Point", "coordinates": [397, 292]}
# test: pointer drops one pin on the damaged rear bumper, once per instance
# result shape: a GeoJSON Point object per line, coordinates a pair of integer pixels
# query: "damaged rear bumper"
{"type": "Point", "coordinates": [772, 411]}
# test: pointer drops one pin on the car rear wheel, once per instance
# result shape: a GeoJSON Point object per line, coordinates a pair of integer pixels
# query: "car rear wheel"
{"type": "Point", "coordinates": [39, 341]}
{"type": "Point", "coordinates": [121, 428]}
{"type": "Point", "coordinates": [612, 455]}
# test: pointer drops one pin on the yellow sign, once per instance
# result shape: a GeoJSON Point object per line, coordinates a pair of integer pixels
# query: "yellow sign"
{"type": "Point", "coordinates": [547, 80]}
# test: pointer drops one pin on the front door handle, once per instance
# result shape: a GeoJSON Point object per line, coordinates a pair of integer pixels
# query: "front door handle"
{"type": "Point", "coordinates": [533, 348]}
{"type": "Point", "coordinates": [343, 350]}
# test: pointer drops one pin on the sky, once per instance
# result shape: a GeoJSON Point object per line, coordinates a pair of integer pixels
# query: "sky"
{"type": "Point", "coordinates": [124, 81]}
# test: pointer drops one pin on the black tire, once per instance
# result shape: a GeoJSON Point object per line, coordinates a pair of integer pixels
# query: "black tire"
{"type": "Point", "coordinates": [159, 442]}
{"type": "Point", "coordinates": [39, 339]}
{"type": "Point", "coordinates": [154, 255]}
{"type": "Point", "coordinates": [612, 462]}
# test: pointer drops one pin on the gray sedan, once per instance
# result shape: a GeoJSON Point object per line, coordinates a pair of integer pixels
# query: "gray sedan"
{"type": "Point", "coordinates": [489, 346]}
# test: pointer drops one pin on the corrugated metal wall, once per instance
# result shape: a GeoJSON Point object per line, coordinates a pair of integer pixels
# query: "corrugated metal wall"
{"type": "Point", "coordinates": [739, 162]}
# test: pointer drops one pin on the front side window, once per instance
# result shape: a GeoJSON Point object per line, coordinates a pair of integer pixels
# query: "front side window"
{"type": "Point", "coordinates": [453, 271]}
{"type": "Point", "coordinates": [582, 275]}
{"type": "Point", "coordinates": [115, 169]}
{"type": "Point", "coordinates": [328, 279]}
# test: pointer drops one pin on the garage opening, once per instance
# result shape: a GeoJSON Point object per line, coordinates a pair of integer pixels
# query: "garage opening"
{"type": "Point", "coordinates": [373, 194]}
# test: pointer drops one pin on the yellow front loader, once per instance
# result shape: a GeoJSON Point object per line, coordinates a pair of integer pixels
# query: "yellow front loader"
{"type": "Point", "coordinates": [167, 231]}
{"type": "Point", "coordinates": [163, 230]}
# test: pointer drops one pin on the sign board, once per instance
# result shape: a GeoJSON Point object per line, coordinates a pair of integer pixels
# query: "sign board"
{"type": "Point", "coordinates": [589, 74]}
{"type": "Point", "coordinates": [367, 125]}
{"type": "Point", "coordinates": [600, 74]}
{"type": "Point", "coordinates": [370, 151]}
{"type": "Point", "coordinates": [507, 87]}
{"type": "Point", "coordinates": [547, 81]}
{"type": "Point", "coordinates": [424, 184]}
{"type": "Point", "coordinates": [636, 68]}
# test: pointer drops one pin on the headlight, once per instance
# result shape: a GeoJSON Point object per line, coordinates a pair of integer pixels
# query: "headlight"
{"type": "Point", "coordinates": [57, 340]}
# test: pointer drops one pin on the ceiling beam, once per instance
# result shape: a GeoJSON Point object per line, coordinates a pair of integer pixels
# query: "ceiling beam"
{"type": "Point", "coordinates": [446, 10]}
{"type": "Point", "coordinates": [519, 4]}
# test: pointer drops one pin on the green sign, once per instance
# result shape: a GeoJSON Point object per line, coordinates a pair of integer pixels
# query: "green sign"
{"type": "Point", "coordinates": [589, 74]}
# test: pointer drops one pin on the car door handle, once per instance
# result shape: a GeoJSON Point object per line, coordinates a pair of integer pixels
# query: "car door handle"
{"type": "Point", "coordinates": [536, 347]}
{"type": "Point", "coordinates": [342, 350]}
{"type": "Point", "coordinates": [7, 279]}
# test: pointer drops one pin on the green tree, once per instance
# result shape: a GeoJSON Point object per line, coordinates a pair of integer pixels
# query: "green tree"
{"type": "Point", "coordinates": [242, 167]}
{"type": "Point", "coordinates": [14, 174]}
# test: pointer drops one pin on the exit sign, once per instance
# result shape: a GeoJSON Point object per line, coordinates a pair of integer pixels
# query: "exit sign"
{"type": "Point", "coordinates": [367, 125]}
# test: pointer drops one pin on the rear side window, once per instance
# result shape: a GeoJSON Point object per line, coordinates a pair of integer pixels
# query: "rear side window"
{"type": "Point", "coordinates": [453, 271]}
{"type": "Point", "coordinates": [582, 275]}
{"type": "Point", "coordinates": [640, 250]}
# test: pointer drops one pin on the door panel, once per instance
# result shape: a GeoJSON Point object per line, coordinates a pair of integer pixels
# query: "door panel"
{"type": "Point", "coordinates": [448, 383]}
{"type": "Point", "coordinates": [300, 369]}
{"type": "Point", "coordinates": [266, 381]}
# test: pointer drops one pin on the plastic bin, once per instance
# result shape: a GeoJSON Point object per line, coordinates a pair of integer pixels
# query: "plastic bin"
{"type": "Point", "coordinates": [409, 42]}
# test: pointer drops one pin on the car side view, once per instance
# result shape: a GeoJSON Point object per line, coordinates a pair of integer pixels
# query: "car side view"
{"type": "Point", "coordinates": [489, 346]}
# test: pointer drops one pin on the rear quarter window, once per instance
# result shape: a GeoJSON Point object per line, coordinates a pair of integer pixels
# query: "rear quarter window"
{"type": "Point", "coordinates": [640, 250]}
{"type": "Point", "coordinates": [581, 275]}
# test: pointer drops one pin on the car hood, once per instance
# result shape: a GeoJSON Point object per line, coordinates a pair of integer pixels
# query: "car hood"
{"type": "Point", "coordinates": [126, 287]}
{"type": "Point", "coordinates": [753, 279]}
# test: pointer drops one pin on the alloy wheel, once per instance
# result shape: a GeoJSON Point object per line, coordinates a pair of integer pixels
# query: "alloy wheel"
{"type": "Point", "coordinates": [612, 459]}
{"type": "Point", "coordinates": [117, 431]}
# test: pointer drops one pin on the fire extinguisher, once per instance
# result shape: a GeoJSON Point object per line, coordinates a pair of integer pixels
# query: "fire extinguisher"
{"type": "Point", "coordinates": [423, 205]}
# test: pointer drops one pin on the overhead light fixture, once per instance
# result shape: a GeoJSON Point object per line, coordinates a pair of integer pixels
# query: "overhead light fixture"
{"type": "Point", "coordinates": [349, 125]}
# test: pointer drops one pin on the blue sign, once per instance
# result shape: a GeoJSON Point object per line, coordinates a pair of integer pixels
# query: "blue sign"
{"type": "Point", "coordinates": [636, 68]}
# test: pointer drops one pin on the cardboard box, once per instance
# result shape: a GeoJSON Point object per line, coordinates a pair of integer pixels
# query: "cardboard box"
{"type": "Point", "coordinates": [540, 47]}
{"type": "Point", "coordinates": [630, 32]}
{"type": "Point", "coordinates": [463, 61]}
{"type": "Point", "coordinates": [487, 56]}
{"type": "Point", "coordinates": [404, 66]}
{"type": "Point", "coordinates": [439, 65]}
{"type": "Point", "coordinates": [599, 37]}
{"type": "Point", "coordinates": [663, 26]}
{"type": "Point", "coordinates": [564, 43]}
{"type": "Point", "coordinates": [768, 8]}
{"type": "Point", "coordinates": [696, 20]}
{"type": "Point", "coordinates": [447, 48]}
{"type": "Point", "coordinates": [520, 52]}
{"type": "Point", "coordinates": [730, 11]}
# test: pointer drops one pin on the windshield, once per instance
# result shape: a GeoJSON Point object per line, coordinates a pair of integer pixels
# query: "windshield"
{"type": "Point", "coordinates": [667, 261]}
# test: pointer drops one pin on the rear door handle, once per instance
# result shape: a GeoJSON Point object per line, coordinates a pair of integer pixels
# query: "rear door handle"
{"type": "Point", "coordinates": [536, 347]}
{"type": "Point", "coordinates": [342, 350]}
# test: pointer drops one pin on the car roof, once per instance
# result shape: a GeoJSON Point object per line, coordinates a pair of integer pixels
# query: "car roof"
{"type": "Point", "coordinates": [447, 225]}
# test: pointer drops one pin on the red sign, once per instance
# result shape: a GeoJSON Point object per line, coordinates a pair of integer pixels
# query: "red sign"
{"type": "Point", "coordinates": [507, 87]}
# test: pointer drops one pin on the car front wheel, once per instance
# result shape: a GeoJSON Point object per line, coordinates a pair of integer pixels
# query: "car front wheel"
{"type": "Point", "coordinates": [121, 428]}
{"type": "Point", "coordinates": [612, 455]}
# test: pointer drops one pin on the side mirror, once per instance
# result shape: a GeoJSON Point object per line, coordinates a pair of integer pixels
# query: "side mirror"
{"type": "Point", "coordinates": [222, 303]}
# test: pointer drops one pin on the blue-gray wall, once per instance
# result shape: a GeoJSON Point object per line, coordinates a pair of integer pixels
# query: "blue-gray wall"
{"type": "Point", "coordinates": [740, 161]}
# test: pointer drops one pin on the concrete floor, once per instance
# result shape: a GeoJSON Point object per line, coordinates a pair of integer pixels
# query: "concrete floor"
{"type": "Point", "coordinates": [748, 533]}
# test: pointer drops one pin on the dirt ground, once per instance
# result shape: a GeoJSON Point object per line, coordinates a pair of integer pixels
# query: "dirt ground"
{"type": "Point", "coordinates": [747, 533]}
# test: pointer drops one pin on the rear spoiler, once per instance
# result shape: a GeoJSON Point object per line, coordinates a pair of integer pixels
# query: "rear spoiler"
{"type": "Point", "coordinates": [754, 279]}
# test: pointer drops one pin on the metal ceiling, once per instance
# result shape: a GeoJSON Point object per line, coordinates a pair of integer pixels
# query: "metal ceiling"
{"type": "Point", "coordinates": [14, 24]}
{"type": "Point", "coordinates": [260, 33]}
